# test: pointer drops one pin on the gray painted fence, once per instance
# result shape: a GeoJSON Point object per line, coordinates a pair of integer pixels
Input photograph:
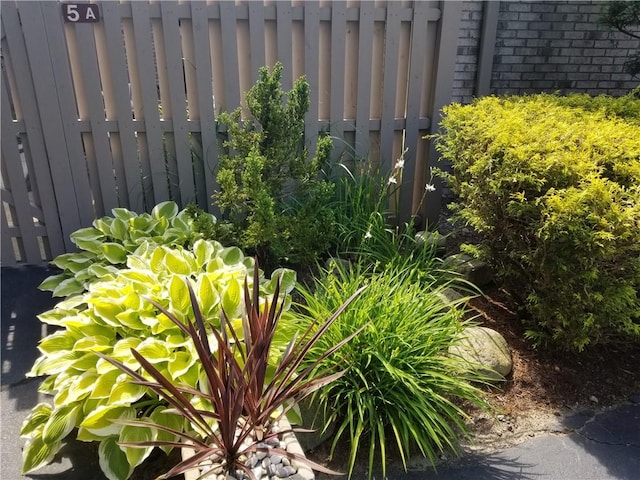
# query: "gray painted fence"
{"type": "Point", "coordinates": [121, 113]}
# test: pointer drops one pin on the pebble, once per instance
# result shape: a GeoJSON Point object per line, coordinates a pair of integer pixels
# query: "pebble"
{"type": "Point", "coordinates": [275, 459]}
{"type": "Point", "coordinates": [593, 399]}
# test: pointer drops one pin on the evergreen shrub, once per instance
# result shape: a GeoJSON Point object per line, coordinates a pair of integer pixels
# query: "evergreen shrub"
{"type": "Point", "coordinates": [553, 186]}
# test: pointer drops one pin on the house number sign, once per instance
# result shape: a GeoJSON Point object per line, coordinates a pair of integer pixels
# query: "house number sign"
{"type": "Point", "coordinates": [80, 12]}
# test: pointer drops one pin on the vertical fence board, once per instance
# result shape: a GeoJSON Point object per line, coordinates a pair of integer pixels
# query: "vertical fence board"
{"type": "Point", "coordinates": [311, 37]}
{"type": "Point", "coordinates": [17, 185]}
{"type": "Point", "coordinates": [445, 60]}
{"type": "Point", "coordinates": [177, 100]}
{"type": "Point", "coordinates": [29, 108]}
{"type": "Point", "coordinates": [284, 32]}
{"type": "Point", "coordinates": [416, 67]}
{"type": "Point", "coordinates": [59, 59]}
{"type": "Point", "coordinates": [89, 66]}
{"type": "Point", "coordinates": [256, 38]}
{"type": "Point", "coordinates": [124, 140]}
{"type": "Point", "coordinates": [205, 98]}
{"type": "Point", "coordinates": [230, 54]}
{"type": "Point", "coordinates": [52, 124]}
{"type": "Point", "coordinates": [338, 39]}
{"type": "Point", "coordinates": [387, 123]}
{"type": "Point", "coordinates": [363, 105]}
{"type": "Point", "coordinates": [146, 71]}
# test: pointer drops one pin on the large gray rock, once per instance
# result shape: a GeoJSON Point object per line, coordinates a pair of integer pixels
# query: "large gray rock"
{"type": "Point", "coordinates": [487, 348]}
{"type": "Point", "coordinates": [435, 240]}
{"type": "Point", "coordinates": [471, 269]}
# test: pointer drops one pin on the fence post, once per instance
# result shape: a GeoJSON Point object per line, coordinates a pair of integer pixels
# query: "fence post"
{"type": "Point", "coordinates": [448, 30]}
{"type": "Point", "coordinates": [490, 11]}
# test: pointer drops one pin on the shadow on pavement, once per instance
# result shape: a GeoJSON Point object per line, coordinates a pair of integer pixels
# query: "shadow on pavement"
{"type": "Point", "coordinates": [20, 328]}
{"type": "Point", "coordinates": [613, 438]}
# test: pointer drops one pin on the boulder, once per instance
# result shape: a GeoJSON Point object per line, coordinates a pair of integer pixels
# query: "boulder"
{"type": "Point", "coordinates": [471, 269]}
{"type": "Point", "coordinates": [487, 348]}
{"type": "Point", "coordinates": [434, 239]}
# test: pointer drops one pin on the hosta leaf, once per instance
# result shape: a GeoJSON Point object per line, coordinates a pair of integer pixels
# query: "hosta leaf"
{"type": "Point", "coordinates": [131, 319]}
{"type": "Point", "coordinates": [36, 454]}
{"type": "Point", "coordinates": [103, 225]}
{"type": "Point", "coordinates": [61, 422]}
{"type": "Point", "coordinates": [215, 264]}
{"type": "Point", "coordinates": [85, 362]}
{"type": "Point", "coordinates": [119, 229]}
{"type": "Point", "coordinates": [58, 341]}
{"type": "Point", "coordinates": [122, 213]}
{"type": "Point", "coordinates": [179, 364]}
{"type": "Point", "coordinates": [139, 277]}
{"type": "Point", "coordinates": [286, 277]}
{"type": "Point", "coordinates": [131, 434]}
{"type": "Point", "coordinates": [67, 287]}
{"type": "Point", "coordinates": [176, 262]}
{"type": "Point", "coordinates": [165, 210]}
{"type": "Point", "coordinates": [231, 298]}
{"type": "Point", "coordinates": [160, 416]}
{"type": "Point", "coordinates": [94, 343]}
{"type": "Point", "coordinates": [36, 419]}
{"type": "Point", "coordinates": [88, 239]}
{"type": "Point", "coordinates": [123, 347]}
{"type": "Point", "coordinates": [103, 271]}
{"type": "Point", "coordinates": [83, 385]}
{"type": "Point", "coordinates": [180, 225]}
{"type": "Point", "coordinates": [231, 255]}
{"type": "Point", "coordinates": [179, 294]}
{"type": "Point", "coordinates": [157, 260]}
{"type": "Point", "coordinates": [204, 251]}
{"type": "Point", "coordinates": [143, 224]}
{"type": "Point", "coordinates": [50, 283]}
{"type": "Point", "coordinates": [113, 460]}
{"type": "Point", "coordinates": [114, 252]}
{"type": "Point", "coordinates": [126, 393]}
{"type": "Point", "coordinates": [153, 350]}
{"type": "Point", "coordinates": [104, 383]}
{"type": "Point", "coordinates": [107, 309]}
{"type": "Point", "coordinates": [101, 420]}
{"type": "Point", "coordinates": [208, 296]}
{"type": "Point", "coordinates": [52, 364]}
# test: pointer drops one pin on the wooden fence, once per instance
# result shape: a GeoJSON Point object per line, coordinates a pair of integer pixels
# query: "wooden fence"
{"type": "Point", "coordinates": [122, 112]}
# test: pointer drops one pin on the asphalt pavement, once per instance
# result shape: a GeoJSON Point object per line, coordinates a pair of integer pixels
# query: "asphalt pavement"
{"type": "Point", "coordinates": [597, 445]}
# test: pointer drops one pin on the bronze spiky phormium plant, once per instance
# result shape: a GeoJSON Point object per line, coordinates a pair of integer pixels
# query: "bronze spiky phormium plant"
{"type": "Point", "coordinates": [246, 401]}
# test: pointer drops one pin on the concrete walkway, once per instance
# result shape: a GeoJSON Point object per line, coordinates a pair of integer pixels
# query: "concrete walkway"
{"type": "Point", "coordinates": [602, 445]}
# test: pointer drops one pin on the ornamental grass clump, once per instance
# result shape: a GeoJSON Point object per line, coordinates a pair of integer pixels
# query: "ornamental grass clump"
{"type": "Point", "coordinates": [400, 389]}
{"type": "Point", "coordinates": [233, 411]}
{"type": "Point", "coordinates": [552, 184]}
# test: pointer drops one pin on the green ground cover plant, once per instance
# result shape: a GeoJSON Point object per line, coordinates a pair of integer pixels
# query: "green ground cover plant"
{"type": "Point", "coordinates": [273, 197]}
{"type": "Point", "coordinates": [553, 186]}
{"type": "Point", "coordinates": [117, 313]}
{"type": "Point", "coordinates": [401, 388]}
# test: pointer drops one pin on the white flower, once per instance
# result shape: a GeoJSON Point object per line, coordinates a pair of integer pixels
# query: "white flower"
{"type": "Point", "coordinates": [400, 164]}
{"type": "Point", "coordinates": [392, 180]}
{"type": "Point", "coordinates": [429, 187]}
{"type": "Point", "coordinates": [368, 235]}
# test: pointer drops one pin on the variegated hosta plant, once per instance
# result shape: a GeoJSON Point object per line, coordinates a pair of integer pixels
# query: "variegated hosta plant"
{"type": "Point", "coordinates": [238, 403]}
{"type": "Point", "coordinates": [105, 245]}
{"type": "Point", "coordinates": [92, 396]}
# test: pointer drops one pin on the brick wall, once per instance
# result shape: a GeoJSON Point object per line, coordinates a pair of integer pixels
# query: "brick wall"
{"type": "Point", "coordinates": [467, 55]}
{"type": "Point", "coordinates": [545, 47]}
